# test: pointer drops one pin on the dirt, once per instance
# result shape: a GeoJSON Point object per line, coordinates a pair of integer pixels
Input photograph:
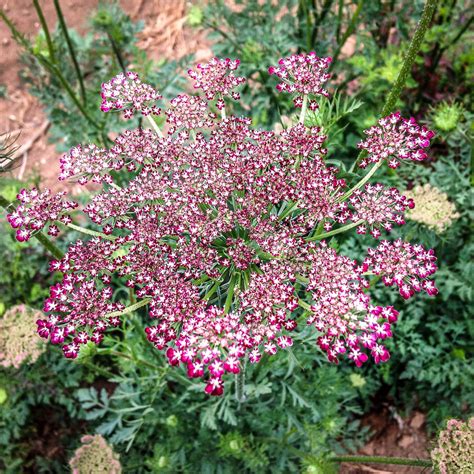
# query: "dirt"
{"type": "Point", "coordinates": [395, 437]}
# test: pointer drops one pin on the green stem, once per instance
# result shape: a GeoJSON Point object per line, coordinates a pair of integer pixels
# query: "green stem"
{"type": "Point", "coordinates": [117, 52]}
{"type": "Point", "coordinates": [45, 28]}
{"type": "Point", "coordinates": [62, 24]}
{"type": "Point", "coordinates": [155, 127]}
{"type": "Point", "coordinates": [383, 460]}
{"type": "Point", "coordinates": [334, 232]}
{"type": "Point", "coordinates": [39, 236]}
{"type": "Point", "coordinates": [303, 108]}
{"type": "Point", "coordinates": [129, 309]}
{"type": "Point", "coordinates": [49, 246]}
{"type": "Point", "coordinates": [94, 233]}
{"type": "Point", "coordinates": [240, 383]}
{"type": "Point", "coordinates": [362, 181]}
{"type": "Point", "coordinates": [48, 66]}
{"type": "Point", "coordinates": [410, 57]}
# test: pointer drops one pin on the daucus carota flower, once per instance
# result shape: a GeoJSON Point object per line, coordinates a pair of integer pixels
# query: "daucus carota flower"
{"type": "Point", "coordinates": [95, 455]}
{"type": "Point", "coordinates": [403, 264]}
{"type": "Point", "coordinates": [36, 210]}
{"type": "Point", "coordinates": [218, 228]}
{"type": "Point", "coordinates": [17, 346]}
{"type": "Point", "coordinates": [432, 208]}
{"type": "Point", "coordinates": [395, 139]}
{"type": "Point", "coordinates": [217, 78]}
{"type": "Point", "coordinates": [377, 206]}
{"type": "Point", "coordinates": [128, 93]}
{"type": "Point", "coordinates": [303, 74]}
{"type": "Point", "coordinates": [454, 452]}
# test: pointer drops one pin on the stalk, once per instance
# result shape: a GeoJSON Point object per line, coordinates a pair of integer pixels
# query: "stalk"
{"type": "Point", "coordinates": [45, 28]}
{"type": "Point", "coordinates": [155, 127]}
{"type": "Point", "coordinates": [422, 27]}
{"type": "Point", "coordinates": [240, 383]}
{"type": "Point", "coordinates": [94, 233]}
{"type": "Point", "coordinates": [129, 309]}
{"type": "Point", "coordinates": [383, 460]}
{"type": "Point", "coordinates": [362, 181]}
{"type": "Point", "coordinates": [70, 47]}
{"type": "Point", "coordinates": [303, 108]}
{"type": "Point", "coordinates": [48, 65]}
{"type": "Point", "coordinates": [334, 232]}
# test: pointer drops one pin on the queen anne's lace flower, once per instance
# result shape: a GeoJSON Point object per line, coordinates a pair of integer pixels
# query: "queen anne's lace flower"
{"type": "Point", "coordinates": [217, 231]}
{"type": "Point", "coordinates": [95, 456]}
{"type": "Point", "coordinates": [395, 139]}
{"type": "Point", "coordinates": [217, 78]}
{"type": "Point", "coordinates": [454, 453]}
{"type": "Point", "coordinates": [303, 74]}
{"type": "Point", "coordinates": [377, 207]}
{"type": "Point", "coordinates": [405, 265]}
{"type": "Point", "coordinates": [433, 208]}
{"type": "Point", "coordinates": [36, 210]}
{"type": "Point", "coordinates": [128, 93]}
{"type": "Point", "coordinates": [17, 327]}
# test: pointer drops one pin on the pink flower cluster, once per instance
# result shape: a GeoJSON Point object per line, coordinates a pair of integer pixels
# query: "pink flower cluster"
{"type": "Point", "coordinates": [405, 265]}
{"type": "Point", "coordinates": [90, 162]}
{"type": "Point", "coordinates": [128, 93]}
{"type": "Point", "coordinates": [342, 311]}
{"type": "Point", "coordinates": [216, 231]}
{"type": "Point", "coordinates": [395, 139]}
{"type": "Point", "coordinates": [377, 207]}
{"type": "Point", "coordinates": [36, 210]}
{"type": "Point", "coordinates": [304, 74]}
{"type": "Point", "coordinates": [217, 78]}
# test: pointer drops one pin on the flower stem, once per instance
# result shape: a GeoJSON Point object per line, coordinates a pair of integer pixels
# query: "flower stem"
{"type": "Point", "coordinates": [62, 24]}
{"type": "Point", "coordinates": [129, 309]}
{"type": "Point", "coordinates": [91, 232]}
{"type": "Point", "coordinates": [362, 181]}
{"type": "Point", "coordinates": [45, 29]}
{"type": "Point", "coordinates": [383, 460]}
{"type": "Point", "coordinates": [155, 127]}
{"type": "Point", "coordinates": [394, 94]}
{"type": "Point", "coordinates": [240, 383]}
{"type": "Point", "coordinates": [303, 108]}
{"type": "Point", "coordinates": [335, 232]}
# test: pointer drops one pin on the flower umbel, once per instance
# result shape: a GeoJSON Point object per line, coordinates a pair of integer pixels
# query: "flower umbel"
{"type": "Point", "coordinates": [454, 452]}
{"type": "Point", "coordinates": [218, 227]}
{"type": "Point", "coordinates": [95, 456]}
{"type": "Point", "coordinates": [17, 345]}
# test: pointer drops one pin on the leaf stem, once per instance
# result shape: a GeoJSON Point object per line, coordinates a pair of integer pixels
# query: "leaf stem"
{"type": "Point", "coordinates": [362, 181]}
{"type": "Point", "coordinates": [303, 108]}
